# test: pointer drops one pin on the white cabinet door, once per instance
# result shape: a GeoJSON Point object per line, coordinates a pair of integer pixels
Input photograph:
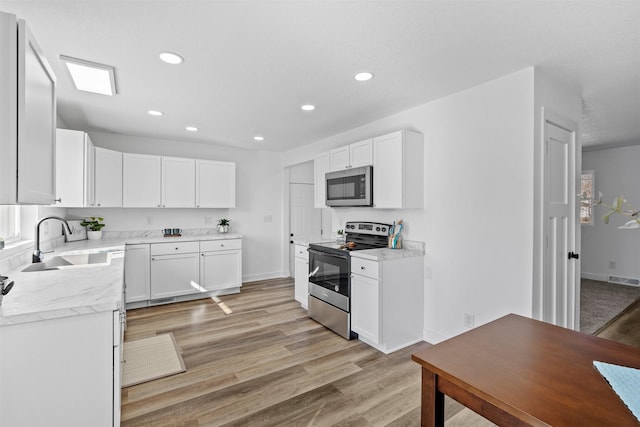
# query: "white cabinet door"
{"type": "Point", "coordinates": [215, 184]}
{"type": "Point", "coordinates": [301, 287]}
{"type": "Point", "coordinates": [221, 270]}
{"type": "Point", "coordinates": [59, 372]}
{"type": "Point", "coordinates": [137, 273]}
{"type": "Point", "coordinates": [36, 122]}
{"type": "Point", "coordinates": [70, 159]}
{"type": "Point", "coordinates": [74, 169]}
{"type": "Point", "coordinates": [398, 170]}
{"type": "Point", "coordinates": [321, 165]}
{"type": "Point", "coordinates": [365, 307]}
{"type": "Point", "coordinates": [141, 175]}
{"type": "Point", "coordinates": [178, 182]}
{"type": "Point", "coordinates": [172, 275]}
{"type": "Point", "coordinates": [339, 158]}
{"type": "Point", "coordinates": [388, 175]}
{"type": "Point", "coordinates": [108, 178]}
{"type": "Point", "coordinates": [361, 153]}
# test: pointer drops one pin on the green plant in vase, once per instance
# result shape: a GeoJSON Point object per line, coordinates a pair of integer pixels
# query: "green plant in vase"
{"type": "Point", "coordinates": [223, 225]}
{"type": "Point", "coordinates": [94, 227]}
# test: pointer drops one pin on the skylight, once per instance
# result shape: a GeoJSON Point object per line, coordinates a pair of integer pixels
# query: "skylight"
{"type": "Point", "coordinates": [90, 76]}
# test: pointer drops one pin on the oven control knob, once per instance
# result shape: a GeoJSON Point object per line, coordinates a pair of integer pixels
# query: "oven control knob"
{"type": "Point", "coordinates": [384, 229]}
{"type": "Point", "coordinates": [377, 228]}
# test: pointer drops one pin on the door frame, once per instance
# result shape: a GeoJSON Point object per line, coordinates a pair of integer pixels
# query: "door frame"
{"type": "Point", "coordinates": [541, 210]}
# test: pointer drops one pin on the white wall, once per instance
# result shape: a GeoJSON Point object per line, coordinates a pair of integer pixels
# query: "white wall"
{"type": "Point", "coordinates": [258, 198]}
{"type": "Point", "coordinates": [477, 221]}
{"type": "Point", "coordinates": [616, 172]}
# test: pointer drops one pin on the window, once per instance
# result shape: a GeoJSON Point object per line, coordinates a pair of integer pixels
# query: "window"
{"type": "Point", "coordinates": [587, 186]}
{"type": "Point", "coordinates": [9, 223]}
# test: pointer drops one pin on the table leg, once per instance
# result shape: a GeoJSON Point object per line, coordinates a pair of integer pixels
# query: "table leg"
{"type": "Point", "coordinates": [432, 411]}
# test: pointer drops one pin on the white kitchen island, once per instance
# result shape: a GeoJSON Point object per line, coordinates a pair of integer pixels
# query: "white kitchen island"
{"type": "Point", "coordinates": [60, 346]}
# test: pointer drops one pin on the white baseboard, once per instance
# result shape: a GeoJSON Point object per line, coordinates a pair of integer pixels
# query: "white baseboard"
{"type": "Point", "coordinates": [594, 276]}
{"type": "Point", "coordinates": [433, 337]}
{"type": "Point", "coordinates": [263, 276]}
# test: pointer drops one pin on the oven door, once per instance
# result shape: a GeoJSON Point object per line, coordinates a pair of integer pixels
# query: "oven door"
{"type": "Point", "coordinates": [329, 277]}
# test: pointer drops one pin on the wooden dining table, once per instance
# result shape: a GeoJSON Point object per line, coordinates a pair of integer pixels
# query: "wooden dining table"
{"type": "Point", "coordinates": [517, 371]}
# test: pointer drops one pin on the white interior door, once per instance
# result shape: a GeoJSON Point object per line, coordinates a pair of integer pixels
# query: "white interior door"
{"type": "Point", "coordinates": [304, 219]}
{"type": "Point", "coordinates": [560, 289]}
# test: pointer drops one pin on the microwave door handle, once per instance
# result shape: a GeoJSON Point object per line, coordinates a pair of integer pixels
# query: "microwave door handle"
{"type": "Point", "coordinates": [313, 273]}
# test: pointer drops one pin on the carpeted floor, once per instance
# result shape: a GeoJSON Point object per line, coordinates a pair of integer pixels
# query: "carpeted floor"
{"type": "Point", "coordinates": [625, 327]}
{"type": "Point", "coordinates": [601, 301]}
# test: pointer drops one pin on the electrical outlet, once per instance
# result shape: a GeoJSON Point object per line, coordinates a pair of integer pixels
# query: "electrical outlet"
{"type": "Point", "coordinates": [268, 218]}
{"type": "Point", "coordinates": [469, 320]}
{"type": "Point", "coordinates": [149, 220]}
{"type": "Point", "coordinates": [45, 228]}
{"type": "Point", "coordinates": [208, 220]}
{"type": "Point", "coordinates": [612, 265]}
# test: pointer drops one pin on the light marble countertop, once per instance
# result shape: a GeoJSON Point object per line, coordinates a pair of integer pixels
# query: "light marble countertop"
{"type": "Point", "coordinates": [42, 295]}
{"type": "Point", "coordinates": [305, 240]}
{"type": "Point", "coordinates": [386, 254]}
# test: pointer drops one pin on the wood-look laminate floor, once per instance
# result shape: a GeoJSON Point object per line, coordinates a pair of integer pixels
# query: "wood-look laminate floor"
{"type": "Point", "coordinates": [268, 364]}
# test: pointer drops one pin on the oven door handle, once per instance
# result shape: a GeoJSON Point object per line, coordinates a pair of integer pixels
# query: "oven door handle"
{"type": "Point", "coordinates": [313, 273]}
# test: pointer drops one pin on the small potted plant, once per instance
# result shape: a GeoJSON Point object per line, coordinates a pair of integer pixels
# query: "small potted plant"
{"type": "Point", "coordinates": [223, 225]}
{"type": "Point", "coordinates": [94, 227]}
{"type": "Point", "coordinates": [340, 237]}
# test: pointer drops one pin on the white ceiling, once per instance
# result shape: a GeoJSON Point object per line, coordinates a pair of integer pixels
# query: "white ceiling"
{"type": "Point", "coordinates": [250, 65]}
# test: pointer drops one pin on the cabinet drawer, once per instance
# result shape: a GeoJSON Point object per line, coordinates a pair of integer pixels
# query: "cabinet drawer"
{"type": "Point", "coordinates": [220, 245]}
{"type": "Point", "coordinates": [301, 252]}
{"type": "Point", "coordinates": [174, 248]}
{"type": "Point", "coordinates": [364, 267]}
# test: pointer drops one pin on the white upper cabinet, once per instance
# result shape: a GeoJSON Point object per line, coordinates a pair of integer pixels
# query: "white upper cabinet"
{"type": "Point", "coordinates": [74, 169]}
{"type": "Point", "coordinates": [215, 184]}
{"type": "Point", "coordinates": [361, 153]}
{"type": "Point", "coordinates": [108, 178]}
{"type": "Point", "coordinates": [321, 165]}
{"type": "Point", "coordinates": [178, 182]}
{"type": "Point", "coordinates": [398, 170]}
{"type": "Point", "coordinates": [142, 178]}
{"type": "Point", "coordinates": [352, 155]}
{"type": "Point", "coordinates": [339, 158]}
{"type": "Point", "coordinates": [27, 117]}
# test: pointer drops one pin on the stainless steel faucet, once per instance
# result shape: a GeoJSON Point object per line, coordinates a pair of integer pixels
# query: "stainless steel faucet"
{"type": "Point", "coordinates": [37, 254]}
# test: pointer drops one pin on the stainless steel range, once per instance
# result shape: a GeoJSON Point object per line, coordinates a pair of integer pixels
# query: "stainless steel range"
{"type": "Point", "coordinates": [330, 274]}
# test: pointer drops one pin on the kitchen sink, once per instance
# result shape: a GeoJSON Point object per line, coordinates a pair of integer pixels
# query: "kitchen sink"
{"type": "Point", "coordinates": [62, 262]}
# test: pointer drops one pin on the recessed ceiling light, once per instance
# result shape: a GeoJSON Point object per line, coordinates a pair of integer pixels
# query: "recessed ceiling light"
{"type": "Point", "coordinates": [90, 76]}
{"type": "Point", "coordinates": [171, 58]}
{"type": "Point", "coordinates": [364, 76]}
{"type": "Point", "coordinates": [308, 107]}
{"type": "Point", "coordinates": [258, 138]}
{"type": "Point", "coordinates": [191, 128]}
{"type": "Point", "coordinates": [155, 113]}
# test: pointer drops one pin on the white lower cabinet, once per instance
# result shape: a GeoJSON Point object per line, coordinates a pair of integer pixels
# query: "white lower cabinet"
{"type": "Point", "coordinates": [159, 273]}
{"type": "Point", "coordinates": [174, 269]}
{"type": "Point", "coordinates": [220, 264]}
{"type": "Point", "coordinates": [137, 272]}
{"type": "Point", "coordinates": [387, 301]}
{"type": "Point", "coordinates": [61, 372]}
{"type": "Point", "coordinates": [365, 299]}
{"type": "Point", "coordinates": [301, 286]}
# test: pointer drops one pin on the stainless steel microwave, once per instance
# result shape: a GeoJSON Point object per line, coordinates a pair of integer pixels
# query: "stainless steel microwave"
{"type": "Point", "coordinates": [350, 187]}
